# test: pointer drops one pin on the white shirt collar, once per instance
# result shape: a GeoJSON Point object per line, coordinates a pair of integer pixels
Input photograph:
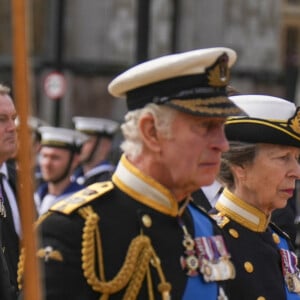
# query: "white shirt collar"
{"type": "Point", "coordinates": [3, 170]}
{"type": "Point", "coordinates": [212, 192]}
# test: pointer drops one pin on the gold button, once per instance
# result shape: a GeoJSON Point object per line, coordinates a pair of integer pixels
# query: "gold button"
{"type": "Point", "coordinates": [146, 219]}
{"type": "Point", "coordinates": [261, 298]}
{"type": "Point", "coordinates": [276, 238]}
{"type": "Point", "coordinates": [248, 266]}
{"type": "Point", "coordinates": [233, 233]}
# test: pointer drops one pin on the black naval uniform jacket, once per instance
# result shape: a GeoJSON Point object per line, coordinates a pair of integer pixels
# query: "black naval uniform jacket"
{"type": "Point", "coordinates": [122, 218]}
{"type": "Point", "coordinates": [118, 227]}
{"type": "Point", "coordinates": [254, 246]}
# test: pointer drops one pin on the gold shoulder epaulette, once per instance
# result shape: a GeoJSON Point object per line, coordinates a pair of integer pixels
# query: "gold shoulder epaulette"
{"type": "Point", "coordinates": [82, 197]}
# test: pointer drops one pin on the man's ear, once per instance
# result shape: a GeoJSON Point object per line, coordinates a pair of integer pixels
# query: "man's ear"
{"type": "Point", "coordinates": [149, 133]}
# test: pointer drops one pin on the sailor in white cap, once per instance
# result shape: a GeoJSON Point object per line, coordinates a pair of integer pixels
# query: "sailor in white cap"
{"type": "Point", "coordinates": [260, 171]}
{"type": "Point", "coordinates": [95, 154]}
{"type": "Point", "coordinates": [134, 237]}
{"type": "Point", "coordinates": [59, 156]}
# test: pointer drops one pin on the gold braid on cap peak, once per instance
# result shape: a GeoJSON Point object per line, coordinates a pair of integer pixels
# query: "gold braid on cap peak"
{"type": "Point", "coordinates": [207, 106]}
{"type": "Point", "coordinates": [136, 265]}
{"type": "Point", "coordinates": [219, 73]}
{"type": "Point", "coordinates": [294, 122]}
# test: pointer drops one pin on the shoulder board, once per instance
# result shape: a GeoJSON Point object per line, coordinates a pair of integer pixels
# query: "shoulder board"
{"type": "Point", "coordinates": [82, 197]}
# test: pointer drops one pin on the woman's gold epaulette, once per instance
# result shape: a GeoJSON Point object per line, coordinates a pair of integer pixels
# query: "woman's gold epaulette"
{"type": "Point", "coordinates": [82, 197]}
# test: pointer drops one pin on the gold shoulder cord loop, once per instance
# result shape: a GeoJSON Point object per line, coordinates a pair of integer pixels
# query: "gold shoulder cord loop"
{"type": "Point", "coordinates": [136, 265]}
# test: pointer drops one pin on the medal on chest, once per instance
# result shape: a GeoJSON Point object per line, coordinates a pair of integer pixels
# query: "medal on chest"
{"type": "Point", "coordinates": [206, 255]}
{"type": "Point", "coordinates": [290, 270]}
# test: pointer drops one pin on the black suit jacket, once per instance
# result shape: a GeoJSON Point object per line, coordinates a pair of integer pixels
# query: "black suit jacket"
{"type": "Point", "coordinates": [7, 290]}
{"type": "Point", "coordinates": [10, 239]}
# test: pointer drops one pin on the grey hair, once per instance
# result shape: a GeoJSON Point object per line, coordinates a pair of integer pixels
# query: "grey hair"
{"type": "Point", "coordinates": [132, 145]}
{"type": "Point", "coordinates": [239, 154]}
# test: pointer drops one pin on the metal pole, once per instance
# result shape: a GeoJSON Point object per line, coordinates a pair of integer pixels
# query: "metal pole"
{"type": "Point", "coordinates": [175, 22]}
{"type": "Point", "coordinates": [25, 189]}
{"type": "Point", "coordinates": [142, 36]}
{"type": "Point", "coordinates": [291, 76]}
{"type": "Point", "coordinates": [58, 51]}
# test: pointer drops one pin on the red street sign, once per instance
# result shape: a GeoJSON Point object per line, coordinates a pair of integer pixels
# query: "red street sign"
{"type": "Point", "coordinates": [55, 85]}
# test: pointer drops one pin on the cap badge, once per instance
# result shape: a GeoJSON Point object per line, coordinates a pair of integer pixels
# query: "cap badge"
{"type": "Point", "coordinates": [294, 122]}
{"type": "Point", "coordinates": [218, 73]}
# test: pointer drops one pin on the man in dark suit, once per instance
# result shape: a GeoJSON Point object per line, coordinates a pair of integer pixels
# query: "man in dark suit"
{"type": "Point", "coordinates": [9, 214]}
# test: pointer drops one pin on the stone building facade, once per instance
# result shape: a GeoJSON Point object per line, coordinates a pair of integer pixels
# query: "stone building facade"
{"type": "Point", "coordinates": [92, 41]}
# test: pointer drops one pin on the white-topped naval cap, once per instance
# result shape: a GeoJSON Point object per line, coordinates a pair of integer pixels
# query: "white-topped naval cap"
{"type": "Point", "coordinates": [193, 82]}
{"type": "Point", "coordinates": [265, 106]}
{"type": "Point", "coordinates": [269, 120]}
{"type": "Point", "coordinates": [61, 137]}
{"type": "Point", "coordinates": [91, 125]}
{"type": "Point", "coordinates": [168, 66]}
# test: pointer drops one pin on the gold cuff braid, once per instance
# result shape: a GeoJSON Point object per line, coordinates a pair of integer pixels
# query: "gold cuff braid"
{"type": "Point", "coordinates": [139, 256]}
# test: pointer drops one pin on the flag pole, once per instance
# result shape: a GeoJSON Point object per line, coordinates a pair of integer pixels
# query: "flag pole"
{"type": "Point", "coordinates": [22, 96]}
